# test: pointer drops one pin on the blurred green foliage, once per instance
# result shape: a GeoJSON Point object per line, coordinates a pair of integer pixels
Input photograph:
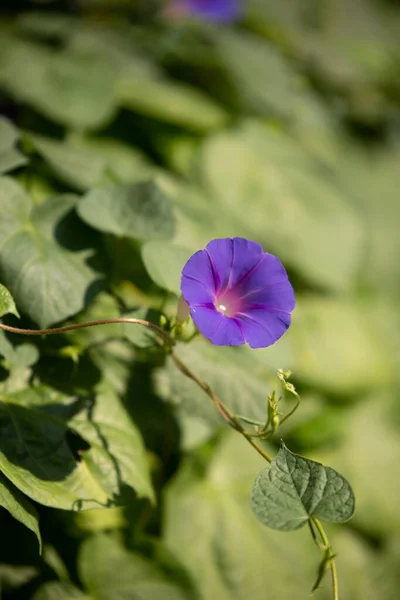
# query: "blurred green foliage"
{"type": "Point", "coordinates": [129, 139]}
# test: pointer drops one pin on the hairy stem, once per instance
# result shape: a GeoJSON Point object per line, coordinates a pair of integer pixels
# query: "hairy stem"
{"type": "Point", "coordinates": [158, 330]}
{"type": "Point", "coordinates": [221, 407]}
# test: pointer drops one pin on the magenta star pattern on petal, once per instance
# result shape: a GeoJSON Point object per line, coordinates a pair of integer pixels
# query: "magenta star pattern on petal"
{"type": "Point", "coordinates": [237, 293]}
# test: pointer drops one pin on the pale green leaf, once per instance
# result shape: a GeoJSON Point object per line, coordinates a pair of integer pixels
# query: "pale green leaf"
{"type": "Point", "coordinates": [141, 211]}
{"type": "Point", "coordinates": [164, 263]}
{"type": "Point", "coordinates": [47, 279]}
{"type": "Point", "coordinates": [171, 102]}
{"type": "Point", "coordinates": [7, 303]}
{"type": "Point", "coordinates": [36, 429]}
{"type": "Point", "coordinates": [35, 454]}
{"type": "Point", "coordinates": [293, 489]}
{"type": "Point", "coordinates": [87, 162]}
{"type": "Point", "coordinates": [19, 507]}
{"type": "Point", "coordinates": [262, 79]}
{"type": "Point", "coordinates": [117, 457]}
{"type": "Point", "coordinates": [23, 355]}
{"type": "Point", "coordinates": [64, 85]}
{"type": "Point", "coordinates": [111, 572]}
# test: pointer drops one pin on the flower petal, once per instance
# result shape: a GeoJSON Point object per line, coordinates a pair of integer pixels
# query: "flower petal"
{"type": "Point", "coordinates": [262, 328]}
{"type": "Point", "coordinates": [197, 283]}
{"type": "Point", "coordinates": [219, 11]}
{"type": "Point", "coordinates": [267, 287]}
{"type": "Point", "coordinates": [219, 329]}
{"type": "Point", "coordinates": [232, 259]}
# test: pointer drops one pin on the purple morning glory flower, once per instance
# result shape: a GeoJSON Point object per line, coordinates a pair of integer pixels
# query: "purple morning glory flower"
{"type": "Point", "coordinates": [238, 293]}
{"type": "Point", "coordinates": [219, 11]}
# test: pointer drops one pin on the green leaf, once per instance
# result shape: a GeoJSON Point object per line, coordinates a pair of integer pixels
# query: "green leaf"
{"type": "Point", "coordinates": [64, 85]}
{"type": "Point", "coordinates": [60, 590]}
{"type": "Point", "coordinates": [141, 211]}
{"type": "Point", "coordinates": [39, 431]}
{"type": "Point", "coordinates": [7, 304]}
{"type": "Point", "coordinates": [24, 355]}
{"type": "Point", "coordinates": [10, 158]}
{"type": "Point", "coordinates": [48, 280]}
{"type": "Point", "coordinates": [117, 457]}
{"type": "Point", "coordinates": [293, 489]}
{"type": "Point", "coordinates": [164, 263]}
{"type": "Point", "coordinates": [170, 102]}
{"type": "Point", "coordinates": [110, 572]}
{"type": "Point", "coordinates": [262, 79]}
{"type": "Point", "coordinates": [19, 507]}
{"type": "Point", "coordinates": [84, 163]}
{"type": "Point", "coordinates": [35, 455]}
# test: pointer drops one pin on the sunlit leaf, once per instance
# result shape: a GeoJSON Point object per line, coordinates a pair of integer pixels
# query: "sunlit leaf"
{"type": "Point", "coordinates": [67, 454]}
{"type": "Point", "coordinates": [23, 355]}
{"type": "Point", "coordinates": [116, 457]}
{"type": "Point", "coordinates": [164, 263]}
{"type": "Point", "coordinates": [63, 85]}
{"type": "Point", "coordinates": [171, 102]}
{"type": "Point", "coordinates": [86, 162]}
{"type": "Point", "coordinates": [141, 211]}
{"type": "Point", "coordinates": [19, 507]}
{"type": "Point", "coordinates": [48, 280]}
{"type": "Point", "coordinates": [7, 303]}
{"type": "Point", "coordinates": [263, 81]}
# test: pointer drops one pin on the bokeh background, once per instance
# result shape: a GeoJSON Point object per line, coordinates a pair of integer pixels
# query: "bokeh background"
{"type": "Point", "coordinates": [276, 121]}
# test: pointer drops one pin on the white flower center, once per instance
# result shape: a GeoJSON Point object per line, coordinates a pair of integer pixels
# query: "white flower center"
{"type": "Point", "coordinates": [222, 308]}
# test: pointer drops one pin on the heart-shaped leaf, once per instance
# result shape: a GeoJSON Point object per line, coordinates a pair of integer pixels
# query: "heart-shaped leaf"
{"type": "Point", "coordinates": [140, 211]}
{"type": "Point", "coordinates": [293, 489]}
